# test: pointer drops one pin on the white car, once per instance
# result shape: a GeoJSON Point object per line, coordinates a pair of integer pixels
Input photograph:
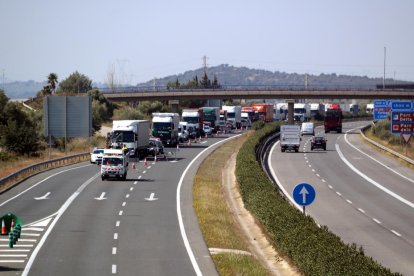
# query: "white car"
{"type": "Point", "coordinates": [207, 130]}
{"type": "Point", "coordinates": [307, 129]}
{"type": "Point", "coordinates": [96, 155]}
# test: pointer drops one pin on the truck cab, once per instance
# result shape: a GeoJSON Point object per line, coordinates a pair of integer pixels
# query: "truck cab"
{"type": "Point", "coordinates": [114, 164]}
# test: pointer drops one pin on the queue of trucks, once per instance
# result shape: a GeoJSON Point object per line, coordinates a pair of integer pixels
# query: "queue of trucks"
{"type": "Point", "coordinates": [130, 138]}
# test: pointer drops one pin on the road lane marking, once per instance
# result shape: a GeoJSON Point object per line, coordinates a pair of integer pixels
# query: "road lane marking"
{"type": "Point", "coordinates": [396, 233]}
{"type": "Point", "coordinates": [113, 250]}
{"type": "Point", "coordinates": [131, 189]}
{"type": "Point", "coordinates": [127, 196]}
{"type": "Point", "coordinates": [350, 202]}
{"type": "Point", "coordinates": [115, 236]}
{"type": "Point", "coordinates": [38, 183]}
{"type": "Point", "coordinates": [60, 212]}
{"type": "Point", "coordinates": [330, 187]}
{"type": "Point", "coordinates": [121, 212]}
{"type": "Point", "coordinates": [382, 164]}
{"type": "Point", "coordinates": [377, 221]}
{"type": "Point", "coordinates": [101, 197]}
{"type": "Point", "coordinates": [113, 269]}
{"type": "Point", "coordinates": [136, 182]}
{"type": "Point", "coordinates": [12, 261]}
{"type": "Point", "coordinates": [338, 193]}
{"type": "Point", "coordinates": [117, 223]}
{"type": "Point", "coordinates": [42, 197]}
{"type": "Point", "coordinates": [361, 210]}
{"type": "Point", "coordinates": [178, 203]}
{"type": "Point", "coordinates": [373, 182]}
{"type": "Point", "coordinates": [123, 204]}
{"type": "Point", "coordinates": [13, 255]}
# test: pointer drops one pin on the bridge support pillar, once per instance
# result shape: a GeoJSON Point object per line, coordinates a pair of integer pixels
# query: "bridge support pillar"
{"type": "Point", "coordinates": [174, 105]}
{"type": "Point", "coordinates": [291, 111]}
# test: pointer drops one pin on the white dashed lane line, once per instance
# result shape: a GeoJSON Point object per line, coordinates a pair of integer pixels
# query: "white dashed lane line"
{"type": "Point", "coordinates": [362, 211]}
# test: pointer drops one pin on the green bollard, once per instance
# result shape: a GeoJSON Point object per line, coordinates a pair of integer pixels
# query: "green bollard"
{"type": "Point", "coordinates": [11, 240]}
{"type": "Point", "coordinates": [16, 233]}
{"type": "Point", "coordinates": [19, 230]}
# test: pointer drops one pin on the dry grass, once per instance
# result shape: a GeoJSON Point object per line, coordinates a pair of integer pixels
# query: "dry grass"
{"type": "Point", "coordinates": [409, 152]}
{"type": "Point", "coordinates": [217, 224]}
{"type": "Point", "coordinates": [76, 146]}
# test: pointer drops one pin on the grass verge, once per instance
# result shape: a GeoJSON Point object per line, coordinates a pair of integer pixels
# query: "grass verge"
{"type": "Point", "coordinates": [214, 217]}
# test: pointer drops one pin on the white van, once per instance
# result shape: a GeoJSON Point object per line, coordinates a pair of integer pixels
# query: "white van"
{"type": "Point", "coordinates": [307, 129]}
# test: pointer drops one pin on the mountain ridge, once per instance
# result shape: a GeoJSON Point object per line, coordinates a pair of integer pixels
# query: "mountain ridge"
{"type": "Point", "coordinates": [226, 75]}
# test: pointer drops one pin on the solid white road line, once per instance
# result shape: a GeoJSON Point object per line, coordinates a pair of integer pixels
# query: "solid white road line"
{"type": "Point", "coordinates": [12, 261]}
{"type": "Point", "coordinates": [179, 214]}
{"type": "Point", "coordinates": [13, 255]}
{"type": "Point", "coordinates": [373, 182]}
{"type": "Point", "coordinates": [49, 230]}
{"type": "Point", "coordinates": [50, 176]}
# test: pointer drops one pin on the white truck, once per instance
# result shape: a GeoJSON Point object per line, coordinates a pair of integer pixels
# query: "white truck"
{"type": "Point", "coordinates": [165, 127]}
{"type": "Point", "coordinates": [133, 133]}
{"type": "Point", "coordinates": [195, 121]}
{"type": "Point", "coordinates": [280, 111]}
{"type": "Point", "coordinates": [290, 137]}
{"type": "Point", "coordinates": [114, 164]}
{"type": "Point", "coordinates": [317, 110]}
{"type": "Point", "coordinates": [302, 112]}
{"type": "Point", "coordinates": [233, 115]}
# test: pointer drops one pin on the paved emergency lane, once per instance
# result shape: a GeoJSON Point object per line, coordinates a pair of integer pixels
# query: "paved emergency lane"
{"type": "Point", "coordinates": [359, 199]}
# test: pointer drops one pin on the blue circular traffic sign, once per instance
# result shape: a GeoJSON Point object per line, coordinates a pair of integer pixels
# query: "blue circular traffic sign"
{"type": "Point", "coordinates": [304, 194]}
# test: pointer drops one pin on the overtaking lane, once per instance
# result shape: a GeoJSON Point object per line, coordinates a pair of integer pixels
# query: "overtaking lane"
{"type": "Point", "coordinates": [340, 191]}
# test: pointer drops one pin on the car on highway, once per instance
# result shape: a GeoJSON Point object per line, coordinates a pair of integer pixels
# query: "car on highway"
{"type": "Point", "coordinates": [155, 147]}
{"type": "Point", "coordinates": [318, 142]}
{"type": "Point", "coordinates": [207, 130]}
{"type": "Point", "coordinates": [307, 129]}
{"type": "Point", "coordinates": [96, 155]}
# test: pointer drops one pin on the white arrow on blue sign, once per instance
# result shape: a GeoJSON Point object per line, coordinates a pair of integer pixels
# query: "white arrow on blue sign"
{"type": "Point", "coordinates": [304, 194]}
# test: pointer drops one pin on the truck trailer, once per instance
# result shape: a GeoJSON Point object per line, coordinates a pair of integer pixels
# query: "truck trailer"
{"type": "Point", "coordinates": [133, 133]}
{"type": "Point", "coordinates": [264, 111]}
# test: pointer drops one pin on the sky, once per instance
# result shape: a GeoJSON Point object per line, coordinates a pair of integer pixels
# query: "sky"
{"type": "Point", "coordinates": [137, 41]}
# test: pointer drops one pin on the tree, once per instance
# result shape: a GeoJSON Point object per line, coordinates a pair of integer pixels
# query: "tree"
{"type": "Point", "coordinates": [76, 83]}
{"type": "Point", "coordinates": [52, 80]}
{"type": "Point", "coordinates": [20, 133]}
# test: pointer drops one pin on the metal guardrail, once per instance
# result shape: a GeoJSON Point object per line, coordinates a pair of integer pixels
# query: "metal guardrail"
{"type": "Point", "coordinates": [403, 157]}
{"type": "Point", "coordinates": [13, 179]}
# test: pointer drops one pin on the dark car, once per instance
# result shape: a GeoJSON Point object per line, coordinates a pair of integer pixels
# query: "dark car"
{"type": "Point", "coordinates": [318, 142]}
{"type": "Point", "coordinates": [155, 147]}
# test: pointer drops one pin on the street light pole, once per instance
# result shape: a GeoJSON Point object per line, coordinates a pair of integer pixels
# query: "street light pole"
{"type": "Point", "coordinates": [385, 56]}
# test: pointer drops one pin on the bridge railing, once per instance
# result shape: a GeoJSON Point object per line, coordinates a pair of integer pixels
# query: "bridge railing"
{"type": "Point", "coordinates": [236, 87]}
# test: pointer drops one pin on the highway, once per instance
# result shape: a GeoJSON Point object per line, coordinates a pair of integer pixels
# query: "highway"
{"type": "Point", "coordinates": [76, 224]}
{"type": "Point", "coordinates": [363, 196]}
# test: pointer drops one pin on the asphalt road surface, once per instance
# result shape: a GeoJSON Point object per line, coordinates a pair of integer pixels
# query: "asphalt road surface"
{"type": "Point", "coordinates": [76, 224]}
{"type": "Point", "coordinates": [362, 195]}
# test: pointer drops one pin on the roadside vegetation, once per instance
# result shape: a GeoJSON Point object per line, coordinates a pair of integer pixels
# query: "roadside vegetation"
{"type": "Point", "coordinates": [314, 250]}
{"type": "Point", "coordinates": [380, 133]}
{"type": "Point", "coordinates": [217, 224]}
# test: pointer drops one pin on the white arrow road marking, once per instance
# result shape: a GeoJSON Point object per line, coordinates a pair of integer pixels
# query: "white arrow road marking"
{"type": "Point", "coordinates": [102, 197]}
{"type": "Point", "coordinates": [304, 192]}
{"type": "Point", "coordinates": [151, 198]}
{"type": "Point", "coordinates": [43, 197]}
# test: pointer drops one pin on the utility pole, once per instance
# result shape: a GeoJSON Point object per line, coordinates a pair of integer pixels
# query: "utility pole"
{"type": "Point", "coordinates": [3, 79]}
{"type": "Point", "coordinates": [205, 64]}
{"type": "Point", "coordinates": [385, 56]}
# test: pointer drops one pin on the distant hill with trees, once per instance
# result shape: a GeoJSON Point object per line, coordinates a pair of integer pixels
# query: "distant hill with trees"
{"type": "Point", "coordinates": [225, 75]}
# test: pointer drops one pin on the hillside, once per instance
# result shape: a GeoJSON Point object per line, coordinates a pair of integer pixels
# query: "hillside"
{"type": "Point", "coordinates": [227, 75]}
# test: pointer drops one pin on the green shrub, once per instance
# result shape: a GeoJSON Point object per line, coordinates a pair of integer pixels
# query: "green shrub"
{"type": "Point", "coordinates": [314, 250]}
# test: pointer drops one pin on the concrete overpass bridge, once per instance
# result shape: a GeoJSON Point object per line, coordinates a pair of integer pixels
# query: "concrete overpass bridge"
{"type": "Point", "coordinates": [288, 93]}
{"type": "Point", "coordinates": [161, 93]}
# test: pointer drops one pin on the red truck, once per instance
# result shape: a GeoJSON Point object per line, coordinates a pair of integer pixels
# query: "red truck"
{"type": "Point", "coordinates": [251, 112]}
{"type": "Point", "coordinates": [333, 119]}
{"type": "Point", "coordinates": [264, 111]}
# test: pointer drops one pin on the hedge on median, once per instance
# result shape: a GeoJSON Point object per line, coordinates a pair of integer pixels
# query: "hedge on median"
{"type": "Point", "coordinates": [314, 250]}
